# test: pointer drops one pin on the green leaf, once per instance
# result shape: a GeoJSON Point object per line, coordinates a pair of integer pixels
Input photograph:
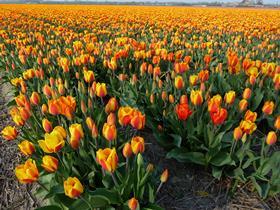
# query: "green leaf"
{"type": "Point", "coordinates": [99, 201]}
{"type": "Point", "coordinates": [217, 172]}
{"type": "Point", "coordinates": [55, 190]}
{"type": "Point", "coordinates": [112, 195]}
{"type": "Point", "coordinates": [52, 207]}
{"type": "Point", "coordinates": [177, 140]}
{"type": "Point", "coordinates": [221, 159]}
{"type": "Point", "coordinates": [183, 155]}
{"type": "Point", "coordinates": [258, 96]}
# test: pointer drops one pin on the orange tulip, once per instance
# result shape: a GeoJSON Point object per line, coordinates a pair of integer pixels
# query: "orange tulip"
{"type": "Point", "coordinates": [247, 93]}
{"type": "Point", "coordinates": [138, 120]}
{"type": "Point", "coordinates": [101, 90]}
{"type": "Point", "coordinates": [214, 103]}
{"type": "Point", "coordinates": [49, 163]}
{"type": "Point", "coordinates": [277, 123]}
{"type": "Point", "coordinates": [47, 125]}
{"type": "Point", "coordinates": [26, 147]}
{"type": "Point", "coordinates": [164, 176]}
{"type": "Point", "coordinates": [125, 115]}
{"type": "Point", "coordinates": [88, 76]}
{"type": "Point", "coordinates": [27, 172]}
{"type": "Point", "coordinates": [9, 133]}
{"type": "Point", "coordinates": [219, 116]}
{"type": "Point", "coordinates": [109, 132]}
{"type": "Point", "coordinates": [196, 97]}
{"type": "Point", "coordinates": [248, 126]}
{"type": "Point", "coordinates": [271, 138]}
{"type": "Point", "coordinates": [35, 98]}
{"type": "Point", "coordinates": [183, 111]}
{"type": "Point", "coordinates": [73, 187]}
{"type": "Point", "coordinates": [77, 133]}
{"type": "Point", "coordinates": [268, 107]}
{"type": "Point", "coordinates": [108, 159]}
{"type": "Point", "coordinates": [237, 133]}
{"type": "Point", "coordinates": [133, 204]}
{"type": "Point", "coordinates": [179, 82]}
{"type": "Point", "coordinates": [137, 145]}
{"type": "Point", "coordinates": [127, 150]}
{"type": "Point", "coordinates": [111, 106]}
{"type": "Point", "coordinates": [243, 105]}
{"type": "Point", "coordinates": [203, 75]}
{"type": "Point", "coordinates": [250, 116]}
{"type": "Point", "coordinates": [230, 97]}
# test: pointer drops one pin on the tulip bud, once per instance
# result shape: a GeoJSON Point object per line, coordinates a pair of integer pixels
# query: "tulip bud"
{"type": "Point", "coordinates": [49, 163]}
{"type": "Point", "coordinates": [47, 125]}
{"type": "Point", "coordinates": [271, 138]}
{"type": "Point", "coordinates": [179, 82]}
{"type": "Point", "coordinates": [94, 131]}
{"type": "Point", "coordinates": [133, 204]}
{"type": "Point", "coordinates": [47, 91]}
{"type": "Point", "coordinates": [171, 99]}
{"type": "Point", "coordinates": [111, 119]}
{"type": "Point", "coordinates": [150, 168]}
{"type": "Point", "coordinates": [89, 123]}
{"type": "Point", "coordinates": [277, 123]}
{"type": "Point", "coordinates": [268, 107]}
{"type": "Point", "coordinates": [35, 98]}
{"type": "Point", "coordinates": [237, 133]}
{"type": "Point", "coordinates": [137, 145]}
{"type": "Point", "coordinates": [164, 176]}
{"type": "Point", "coordinates": [83, 107]}
{"type": "Point", "coordinates": [247, 93]}
{"type": "Point", "coordinates": [44, 109]}
{"type": "Point", "coordinates": [183, 99]}
{"type": "Point", "coordinates": [109, 131]}
{"type": "Point", "coordinates": [243, 105]}
{"type": "Point", "coordinates": [230, 97]}
{"type": "Point", "coordinates": [152, 98]}
{"type": "Point", "coordinates": [127, 151]}
{"type": "Point", "coordinates": [196, 97]}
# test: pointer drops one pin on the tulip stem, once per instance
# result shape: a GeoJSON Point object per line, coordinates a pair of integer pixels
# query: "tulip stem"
{"type": "Point", "coordinates": [159, 187]}
{"type": "Point", "coordinates": [114, 179]}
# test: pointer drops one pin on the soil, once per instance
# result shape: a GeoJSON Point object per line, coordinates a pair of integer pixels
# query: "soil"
{"type": "Point", "coordinates": [188, 186]}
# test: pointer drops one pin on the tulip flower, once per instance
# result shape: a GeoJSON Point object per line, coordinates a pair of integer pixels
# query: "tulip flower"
{"type": "Point", "coordinates": [271, 138]}
{"type": "Point", "coordinates": [35, 98]}
{"type": "Point", "coordinates": [164, 176]}
{"type": "Point", "coordinates": [53, 141]}
{"type": "Point", "coordinates": [214, 103]}
{"type": "Point", "coordinates": [247, 93]}
{"type": "Point", "coordinates": [193, 80]}
{"type": "Point", "coordinates": [277, 122]}
{"type": "Point", "coordinates": [183, 111]}
{"type": "Point", "coordinates": [9, 133]}
{"type": "Point", "coordinates": [133, 204]}
{"type": "Point", "coordinates": [88, 76]}
{"type": "Point", "coordinates": [243, 105]}
{"type": "Point", "coordinates": [237, 133]}
{"type": "Point", "coordinates": [49, 163]}
{"type": "Point", "coordinates": [47, 91]}
{"type": "Point", "coordinates": [109, 131]}
{"type": "Point", "coordinates": [137, 145]}
{"type": "Point", "coordinates": [183, 99]}
{"type": "Point", "coordinates": [108, 159]}
{"type": "Point", "coordinates": [77, 133]}
{"type": "Point", "coordinates": [203, 75]}
{"type": "Point", "coordinates": [219, 117]}
{"type": "Point", "coordinates": [26, 147]}
{"type": "Point", "coordinates": [250, 116]}
{"type": "Point", "coordinates": [268, 107]}
{"type": "Point", "coordinates": [111, 106]}
{"type": "Point", "coordinates": [47, 125]}
{"type": "Point", "coordinates": [138, 120]}
{"type": "Point", "coordinates": [127, 150]}
{"type": "Point", "coordinates": [196, 97]}
{"type": "Point", "coordinates": [247, 126]}
{"type": "Point", "coordinates": [125, 115]}
{"type": "Point", "coordinates": [101, 90]}
{"type": "Point", "coordinates": [27, 172]}
{"type": "Point", "coordinates": [179, 82]}
{"type": "Point", "coordinates": [73, 187]}
{"type": "Point", "coordinates": [230, 97]}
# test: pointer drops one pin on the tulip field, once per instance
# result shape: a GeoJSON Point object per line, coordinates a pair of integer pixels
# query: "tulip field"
{"type": "Point", "coordinates": [89, 82]}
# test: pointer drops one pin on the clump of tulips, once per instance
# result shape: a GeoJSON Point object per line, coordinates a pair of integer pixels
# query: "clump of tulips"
{"type": "Point", "coordinates": [208, 91]}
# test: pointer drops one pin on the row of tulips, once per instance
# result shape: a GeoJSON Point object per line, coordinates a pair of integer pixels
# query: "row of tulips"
{"type": "Point", "coordinates": [83, 92]}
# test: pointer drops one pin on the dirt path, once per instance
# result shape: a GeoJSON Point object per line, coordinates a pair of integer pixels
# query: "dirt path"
{"type": "Point", "coordinates": [13, 195]}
